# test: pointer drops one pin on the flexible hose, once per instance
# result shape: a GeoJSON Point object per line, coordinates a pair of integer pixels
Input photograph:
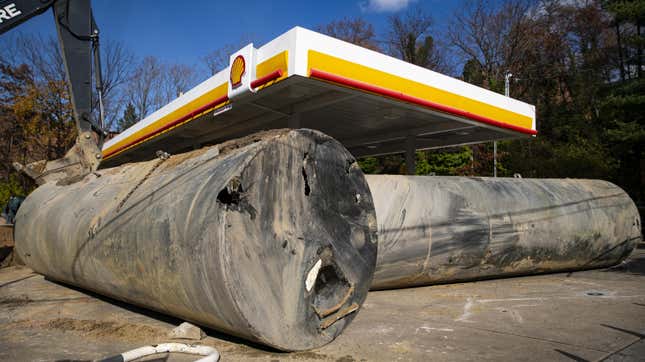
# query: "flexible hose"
{"type": "Point", "coordinates": [210, 353]}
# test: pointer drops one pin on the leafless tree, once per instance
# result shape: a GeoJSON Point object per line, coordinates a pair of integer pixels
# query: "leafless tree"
{"type": "Point", "coordinates": [178, 78]}
{"type": "Point", "coordinates": [117, 68]}
{"type": "Point", "coordinates": [353, 30]}
{"type": "Point", "coordinates": [410, 39]}
{"type": "Point", "coordinates": [218, 59]}
{"type": "Point", "coordinates": [154, 84]}
{"type": "Point", "coordinates": [143, 88]}
{"type": "Point", "coordinates": [42, 56]}
{"type": "Point", "coordinates": [495, 37]}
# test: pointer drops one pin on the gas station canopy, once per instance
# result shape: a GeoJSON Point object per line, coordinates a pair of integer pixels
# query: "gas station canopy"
{"type": "Point", "coordinates": [373, 103]}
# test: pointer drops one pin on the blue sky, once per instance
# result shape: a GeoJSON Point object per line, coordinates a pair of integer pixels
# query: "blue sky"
{"type": "Point", "coordinates": [183, 31]}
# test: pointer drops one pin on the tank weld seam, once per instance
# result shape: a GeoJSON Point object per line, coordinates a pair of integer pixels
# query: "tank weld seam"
{"type": "Point", "coordinates": [163, 156]}
{"type": "Point", "coordinates": [604, 253]}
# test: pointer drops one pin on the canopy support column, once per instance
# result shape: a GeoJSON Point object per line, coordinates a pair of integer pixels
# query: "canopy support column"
{"type": "Point", "coordinates": [410, 154]}
{"type": "Point", "coordinates": [294, 121]}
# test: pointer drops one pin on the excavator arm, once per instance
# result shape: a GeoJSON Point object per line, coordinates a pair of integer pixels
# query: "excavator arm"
{"type": "Point", "coordinates": [79, 44]}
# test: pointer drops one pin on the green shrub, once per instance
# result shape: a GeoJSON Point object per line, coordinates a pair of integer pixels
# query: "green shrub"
{"type": "Point", "coordinates": [13, 187]}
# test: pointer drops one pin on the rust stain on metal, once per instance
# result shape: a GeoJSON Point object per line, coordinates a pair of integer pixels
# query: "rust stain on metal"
{"type": "Point", "coordinates": [338, 316]}
{"type": "Point", "coordinates": [324, 313]}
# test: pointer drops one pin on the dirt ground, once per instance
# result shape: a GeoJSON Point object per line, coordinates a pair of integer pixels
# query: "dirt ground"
{"type": "Point", "coordinates": [591, 315]}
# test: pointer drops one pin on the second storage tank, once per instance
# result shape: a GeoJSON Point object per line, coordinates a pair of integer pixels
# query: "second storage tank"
{"type": "Point", "coordinates": [435, 229]}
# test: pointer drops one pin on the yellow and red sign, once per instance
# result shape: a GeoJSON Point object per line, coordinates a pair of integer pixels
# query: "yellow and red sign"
{"type": "Point", "coordinates": [238, 68]}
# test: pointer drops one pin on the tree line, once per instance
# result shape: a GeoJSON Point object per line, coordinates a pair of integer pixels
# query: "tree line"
{"type": "Point", "coordinates": [36, 120]}
{"type": "Point", "coordinates": [579, 62]}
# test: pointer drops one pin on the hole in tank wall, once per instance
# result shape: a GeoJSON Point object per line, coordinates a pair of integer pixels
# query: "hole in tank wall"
{"type": "Point", "coordinates": [228, 196]}
{"type": "Point", "coordinates": [331, 290]}
{"type": "Point", "coordinates": [235, 198]}
{"type": "Point", "coordinates": [305, 177]}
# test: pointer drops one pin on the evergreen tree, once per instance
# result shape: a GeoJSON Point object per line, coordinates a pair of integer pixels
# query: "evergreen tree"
{"type": "Point", "coordinates": [129, 118]}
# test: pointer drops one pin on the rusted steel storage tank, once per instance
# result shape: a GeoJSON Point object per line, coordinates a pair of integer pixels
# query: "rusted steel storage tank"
{"type": "Point", "coordinates": [271, 237]}
{"type": "Point", "coordinates": [435, 229]}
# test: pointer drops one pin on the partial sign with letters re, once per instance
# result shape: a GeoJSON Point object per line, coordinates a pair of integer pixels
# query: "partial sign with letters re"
{"type": "Point", "coordinates": [9, 11]}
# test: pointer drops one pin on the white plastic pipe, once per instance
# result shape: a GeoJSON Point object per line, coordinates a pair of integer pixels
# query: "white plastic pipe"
{"type": "Point", "coordinates": [211, 354]}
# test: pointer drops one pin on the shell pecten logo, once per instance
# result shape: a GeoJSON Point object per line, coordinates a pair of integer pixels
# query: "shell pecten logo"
{"type": "Point", "coordinates": [237, 71]}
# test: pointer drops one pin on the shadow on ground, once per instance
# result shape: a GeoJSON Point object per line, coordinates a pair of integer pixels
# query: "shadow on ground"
{"type": "Point", "coordinates": [571, 356]}
{"type": "Point", "coordinates": [635, 265]}
{"type": "Point", "coordinates": [171, 320]}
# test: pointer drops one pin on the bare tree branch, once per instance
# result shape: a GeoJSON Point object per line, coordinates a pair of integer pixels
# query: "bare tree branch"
{"type": "Point", "coordinates": [494, 37]}
{"type": "Point", "coordinates": [353, 30]}
{"type": "Point", "coordinates": [410, 39]}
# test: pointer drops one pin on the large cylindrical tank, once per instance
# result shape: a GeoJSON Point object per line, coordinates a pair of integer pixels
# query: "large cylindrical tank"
{"type": "Point", "coordinates": [435, 229]}
{"type": "Point", "coordinates": [271, 237]}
